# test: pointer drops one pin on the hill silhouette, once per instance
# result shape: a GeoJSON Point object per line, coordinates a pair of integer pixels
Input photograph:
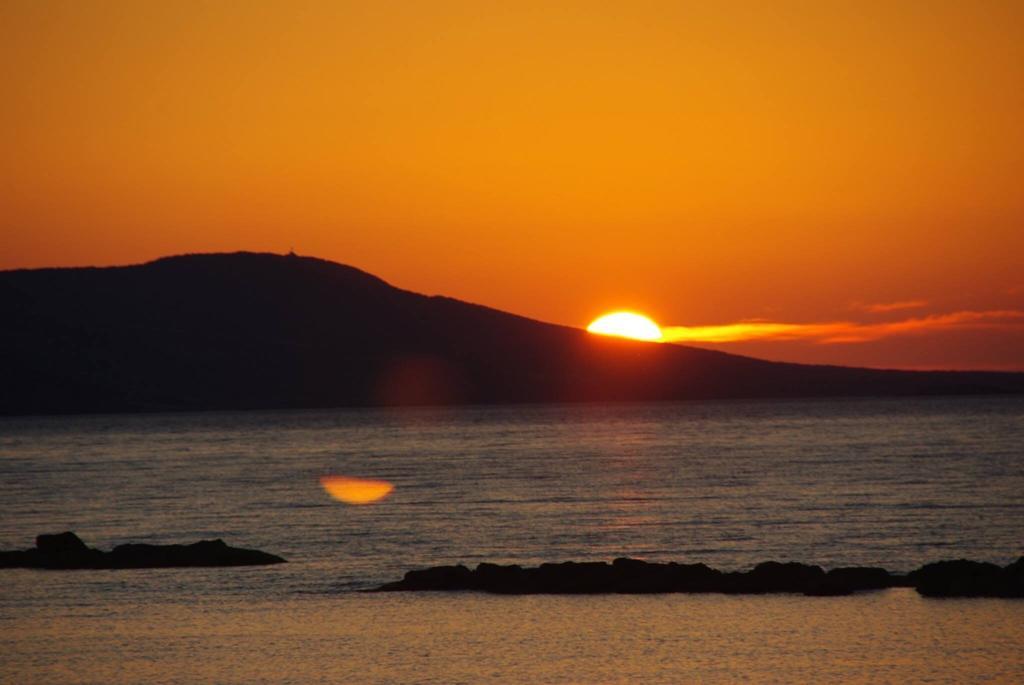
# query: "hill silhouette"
{"type": "Point", "coordinates": [249, 331]}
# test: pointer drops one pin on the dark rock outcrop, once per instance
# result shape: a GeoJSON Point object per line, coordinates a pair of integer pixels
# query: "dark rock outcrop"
{"type": "Point", "coordinates": [963, 578]}
{"type": "Point", "coordinates": [850, 579]}
{"type": "Point", "coordinates": [772, 576]}
{"type": "Point", "coordinates": [439, 578]}
{"type": "Point", "coordinates": [67, 551]}
{"type": "Point", "coordinates": [633, 576]}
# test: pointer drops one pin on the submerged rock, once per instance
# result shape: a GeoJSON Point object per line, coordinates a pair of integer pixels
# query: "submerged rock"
{"type": "Point", "coordinates": [67, 551]}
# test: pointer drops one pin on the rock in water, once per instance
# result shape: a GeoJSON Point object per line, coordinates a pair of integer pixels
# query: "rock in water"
{"type": "Point", "coordinates": [67, 551]}
{"type": "Point", "coordinates": [964, 578]}
{"type": "Point", "coordinates": [632, 576]}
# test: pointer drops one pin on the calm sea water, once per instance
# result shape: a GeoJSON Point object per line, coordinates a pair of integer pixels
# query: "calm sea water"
{"type": "Point", "coordinates": [884, 482]}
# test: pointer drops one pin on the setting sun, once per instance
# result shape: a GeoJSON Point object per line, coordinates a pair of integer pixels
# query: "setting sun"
{"type": "Point", "coordinates": [626, 325]}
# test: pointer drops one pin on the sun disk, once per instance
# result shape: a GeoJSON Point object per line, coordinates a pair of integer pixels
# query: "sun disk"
{"type": "Point", "coordinates": [626, 325]}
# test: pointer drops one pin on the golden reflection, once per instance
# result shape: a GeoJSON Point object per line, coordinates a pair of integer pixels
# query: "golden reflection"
{"type": "Point", "coordinates": [356, 490]}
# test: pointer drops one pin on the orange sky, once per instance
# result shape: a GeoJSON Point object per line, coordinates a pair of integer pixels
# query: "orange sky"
{"type": "Point", "coordinates": [706, 163]}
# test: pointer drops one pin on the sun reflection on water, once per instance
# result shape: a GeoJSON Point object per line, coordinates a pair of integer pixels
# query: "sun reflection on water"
{"type": "Point", "coordinates": [356, 490]}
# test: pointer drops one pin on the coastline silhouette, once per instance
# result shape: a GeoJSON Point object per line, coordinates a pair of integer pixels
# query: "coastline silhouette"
{"type": "Point", "coordinates": [264, 331]}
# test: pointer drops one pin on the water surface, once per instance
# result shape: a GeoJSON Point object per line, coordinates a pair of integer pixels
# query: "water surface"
{"type": "Point", "coordinates": [877, 482]}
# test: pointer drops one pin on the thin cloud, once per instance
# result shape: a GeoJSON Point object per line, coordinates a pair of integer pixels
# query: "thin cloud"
{"type": "Point", "coordinates": [835, 332]}
{"type": "Point", "coordinates": [882, 307]}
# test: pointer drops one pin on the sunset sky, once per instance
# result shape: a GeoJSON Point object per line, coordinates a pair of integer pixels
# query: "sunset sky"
{"type": "Point", "coordinates": [835, 182]}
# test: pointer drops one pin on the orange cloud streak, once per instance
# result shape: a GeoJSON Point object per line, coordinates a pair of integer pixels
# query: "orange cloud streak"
{"type": "Point", "coordinates": [843, 331]}
{"type": "Point", "coordinates": [882, 307]}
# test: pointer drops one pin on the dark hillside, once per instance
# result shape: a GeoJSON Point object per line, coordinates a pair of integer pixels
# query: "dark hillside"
{"type": "Point", "coordinates": [238, 331]}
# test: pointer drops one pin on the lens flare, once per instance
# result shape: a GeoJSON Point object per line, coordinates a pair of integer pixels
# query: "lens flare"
{"type": "Point", "coordinates": [626, 325]}
{"type": "Point", "coordinates": [356, 490]}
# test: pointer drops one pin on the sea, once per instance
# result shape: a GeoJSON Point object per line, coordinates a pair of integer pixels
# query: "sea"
{"type": "Point", "coordinates": [887, 482]}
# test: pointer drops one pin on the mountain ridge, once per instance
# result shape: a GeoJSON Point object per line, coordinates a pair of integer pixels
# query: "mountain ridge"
{"type": "Point", "coordinates": [249, 330]}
